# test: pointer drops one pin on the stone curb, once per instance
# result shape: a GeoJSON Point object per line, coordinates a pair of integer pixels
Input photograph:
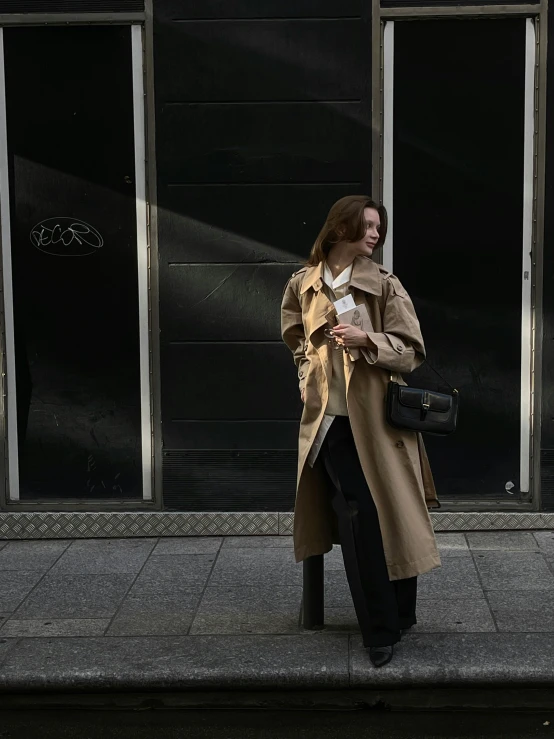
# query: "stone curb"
{"type": "Point", "coordinates": [488, 665]}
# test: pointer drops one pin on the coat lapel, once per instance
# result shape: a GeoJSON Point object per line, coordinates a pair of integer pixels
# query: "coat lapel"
{"type": "Point", "coordinates": [366, 276]}
{"type": "Point", "coordinates": [321, 311]}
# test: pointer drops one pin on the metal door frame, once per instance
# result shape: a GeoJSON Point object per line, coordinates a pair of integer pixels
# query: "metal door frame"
{"type": "Point", "coordinates": [143, 121]}
{"type": "Point", "coordinates": [534, 193]}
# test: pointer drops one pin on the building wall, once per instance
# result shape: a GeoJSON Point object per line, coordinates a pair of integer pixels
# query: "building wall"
{"type": "Point", "coordinates": [263, 114]}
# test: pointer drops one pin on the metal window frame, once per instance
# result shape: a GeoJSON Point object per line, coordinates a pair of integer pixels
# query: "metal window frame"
{"type": "Point", "coordinates": [382, 190]}
{"type": "Point", "coordinates": [529, 196]}
{"type": "Point", "coordinates": [63, 19]}
{"type": "Point", "coordinates": [139, 123]}
{"type": "Point", "coordinates": [460, 11]}
{"type": "Point", "coordinates": [388, 141]}
{"type": "Point", "coordinates": [150, 365]}
{"type": "Point", "coordinates": [154, 292]}
{"type": "Point", "coordinates": [11, 457]}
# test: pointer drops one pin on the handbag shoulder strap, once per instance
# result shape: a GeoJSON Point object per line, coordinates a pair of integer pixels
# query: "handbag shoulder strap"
{"type": "Point", "coordinates": [441, 377]}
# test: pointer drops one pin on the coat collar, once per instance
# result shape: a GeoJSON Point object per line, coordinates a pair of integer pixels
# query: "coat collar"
{"type": "Point", "coordinates": [366, 276]}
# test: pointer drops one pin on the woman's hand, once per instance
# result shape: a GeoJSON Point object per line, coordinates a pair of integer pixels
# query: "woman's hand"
{"type": "Point", "coordinates": [350, 336]}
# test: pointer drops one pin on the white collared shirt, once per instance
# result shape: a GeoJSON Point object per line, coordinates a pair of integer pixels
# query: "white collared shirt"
{"type": "Point", "coordinates": [342, 279]}
{"type": "Point", "coordinates": [345, 276]}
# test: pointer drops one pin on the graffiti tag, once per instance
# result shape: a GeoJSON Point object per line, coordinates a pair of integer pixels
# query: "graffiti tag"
{"type": "Point", "coordinates": [66, 237]}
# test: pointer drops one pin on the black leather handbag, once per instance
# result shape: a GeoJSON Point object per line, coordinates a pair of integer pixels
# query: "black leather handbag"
{"type": "Point", "coordinates": [422, 410]}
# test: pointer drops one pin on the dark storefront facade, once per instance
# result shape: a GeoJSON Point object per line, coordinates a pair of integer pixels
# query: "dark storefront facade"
{"type": "Point", "coordinates": [166, 167]}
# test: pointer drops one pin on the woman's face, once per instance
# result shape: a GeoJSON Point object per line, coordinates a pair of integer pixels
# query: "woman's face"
{"type": "Point", "coordinates": [366, 245]}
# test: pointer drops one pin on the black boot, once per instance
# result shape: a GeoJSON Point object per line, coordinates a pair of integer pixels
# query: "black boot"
{"type": "Point", "coordinates": [380, 656]}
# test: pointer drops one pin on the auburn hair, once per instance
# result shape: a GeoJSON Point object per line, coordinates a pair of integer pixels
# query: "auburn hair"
{"type": "Point", "coordinates": [346, 222]}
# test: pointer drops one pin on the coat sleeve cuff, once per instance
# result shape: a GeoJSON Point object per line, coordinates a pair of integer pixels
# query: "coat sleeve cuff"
{"type": "Point", "coordinates": [389, 352]}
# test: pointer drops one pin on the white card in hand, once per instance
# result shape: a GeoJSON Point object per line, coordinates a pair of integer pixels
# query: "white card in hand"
{"type": "Point", "coordinates": [344, 304]}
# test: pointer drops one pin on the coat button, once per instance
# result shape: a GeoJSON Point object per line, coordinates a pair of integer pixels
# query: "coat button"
{"type": "Point", "coordinates": [400, 444]}
{"type": "Point", "coordinates": [399, 347]}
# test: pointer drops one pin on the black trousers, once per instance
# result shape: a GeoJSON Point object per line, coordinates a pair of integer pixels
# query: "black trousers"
{"type": "Point", "coordinates": [383, 607]}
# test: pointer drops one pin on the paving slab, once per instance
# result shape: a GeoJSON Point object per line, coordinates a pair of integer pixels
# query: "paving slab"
{"type": "Point", "coordinates": [514, 571]}
{"type": "Point", "coordinates": [453, 615]}
{"type": "Point", "coordinates": [337, 590]}
{"type": "Point", "coordinates": [104, 556]}
{"type": "Point", "coordinates": [192, 570]}
{"type": "Point", "coordinates": [458, 660]}
{"type": "Point", "coordinates": [15, 587]}
{"type": "Point", "coordinates": [148, 623]}
{"type": "Point", "coordinates": [456, 578]}
{"type": "Point", "coordinates": [188, 545]}
{"type": "Point", "coordinates": [249, 610]}
{"type": "Point", "coordinates": [156, 607]}
{"type": "Point", "coordinates": [75, 596]}
{"type": "Point", "coordinates": [506, 541]}
{"type": "Point", "coordinates": [242, 542]}
{"type": "Point", "coordinates": [452, 545]}
{"type": "Point", "coordinates": [435, 615]}
{"type": "Point", "coordinates": [270, 566]}
{"type": "Point", "coordinates": [6, 645]}
{"type": "Point", "coordinates": [318, 661]}
{"type": "Point", "coordinates": [545, 540]}
{"type": "Point", "coordinates": [32, 555]}
{"type": "Point", "coordinates": [341, 618]}
{"type": "Point", "coordinates": [55, 627]}
{"type": "Point", "coordinates": [522, 611]}
{"type": "Point", "coordinates": [334, 560]}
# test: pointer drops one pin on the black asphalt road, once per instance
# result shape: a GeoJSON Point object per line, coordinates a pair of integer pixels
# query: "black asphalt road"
{"type": "Point", "coordinates": [239, 724]}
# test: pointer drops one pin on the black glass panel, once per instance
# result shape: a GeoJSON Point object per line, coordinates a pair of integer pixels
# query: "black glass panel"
{"type": "Point", "coordinates": [458, 207]}
{"type": "Point", "coordinates": [71, 6]}
{"type": "Point", "coordinates": [70, 138]}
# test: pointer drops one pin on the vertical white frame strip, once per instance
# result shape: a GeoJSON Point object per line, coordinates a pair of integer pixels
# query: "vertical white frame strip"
{"type": "Point", "coordinates": [388, 138]}
{"type": "Point", "coordinates": [142, 258]}
{"type": "Point", "coordinates": [10, 382]}
{"type": "Point", "coordinates": [526, 277]}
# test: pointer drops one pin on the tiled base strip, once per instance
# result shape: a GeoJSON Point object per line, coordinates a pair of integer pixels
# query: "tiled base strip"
{"type": "Point", "coordinates": [122, 525]}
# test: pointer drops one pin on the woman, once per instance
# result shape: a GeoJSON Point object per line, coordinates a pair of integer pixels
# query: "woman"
{"type": "Point", "coordinates": [360, 482]}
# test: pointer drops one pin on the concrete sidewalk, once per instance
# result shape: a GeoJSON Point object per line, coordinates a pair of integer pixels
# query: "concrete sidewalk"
{"type": "Point", "coordinates": [223, 614]}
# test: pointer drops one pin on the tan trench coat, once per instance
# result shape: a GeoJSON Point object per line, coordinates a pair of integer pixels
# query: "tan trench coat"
{"type": "Point", "coordinates": [394, 462]}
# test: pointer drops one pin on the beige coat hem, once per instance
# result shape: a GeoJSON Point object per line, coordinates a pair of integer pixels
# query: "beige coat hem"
{"type": "Point", "coordinates": [302, 553]}
{"type": "Point", "coordinates": [412, 569]}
